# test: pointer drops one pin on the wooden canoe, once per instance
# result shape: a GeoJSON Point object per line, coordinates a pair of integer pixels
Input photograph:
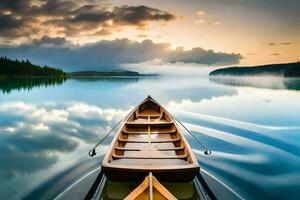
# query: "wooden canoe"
{"type": "Point", "coordinates": [149, 140]}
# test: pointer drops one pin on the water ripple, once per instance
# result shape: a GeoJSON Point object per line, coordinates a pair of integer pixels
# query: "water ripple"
{"type": "Point", "coordinates": [260, 157]}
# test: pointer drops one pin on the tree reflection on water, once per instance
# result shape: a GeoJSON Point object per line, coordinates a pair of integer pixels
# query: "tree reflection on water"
{"type": "Point", "coordinates": [7, 85]}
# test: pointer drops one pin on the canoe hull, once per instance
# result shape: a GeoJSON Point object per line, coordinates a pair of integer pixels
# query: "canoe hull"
{"type": "Point", "coordinates": [149, 140]}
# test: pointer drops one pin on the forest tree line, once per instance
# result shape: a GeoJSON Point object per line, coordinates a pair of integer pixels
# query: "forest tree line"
{"type": "Point", "coordinates": [20, 68]}
{"type": "Point", "coordinates": [284, 69]}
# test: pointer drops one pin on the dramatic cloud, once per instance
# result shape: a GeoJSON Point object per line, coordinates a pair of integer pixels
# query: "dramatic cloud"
{"type": "Point", "coordinates": [63, 18]}
{"type": "Point", "coordinates": [46, 41]}
{"type": "Point", "coordinates": [201, 56]}
{"type": "Point", "coordinates": [14, 5]}
{"type": "Point", "coordinates": [113, 53]}
{"type": "Point", "coordinates": [128, 15]}
{"type": "Point", "coordinates": [10, 26]}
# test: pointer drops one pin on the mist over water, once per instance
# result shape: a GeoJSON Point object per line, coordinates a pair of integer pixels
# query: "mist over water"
{"type": "Point", "coordinates": [270, 82]}
{"type": "Point", "coordinates": [252, 129]}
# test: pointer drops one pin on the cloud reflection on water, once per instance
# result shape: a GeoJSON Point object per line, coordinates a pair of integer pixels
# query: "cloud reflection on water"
{"type": "Point", "coordinates": [38, 136]}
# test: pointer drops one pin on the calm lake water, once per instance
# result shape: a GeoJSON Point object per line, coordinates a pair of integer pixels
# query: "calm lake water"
{"type": "Point", "coordinates": [252, 127]}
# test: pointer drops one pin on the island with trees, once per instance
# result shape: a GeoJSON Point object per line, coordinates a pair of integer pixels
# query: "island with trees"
{"type": "Point", "coordinates": [103, 73]}
{"type": "Point", "coordinates": [289, 70]}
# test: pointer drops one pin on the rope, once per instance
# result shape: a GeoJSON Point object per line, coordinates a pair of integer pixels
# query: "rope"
{"type": "Point", "coordinates": [206, 150]}
{"type": "Point", "coordinates": [92, 152]}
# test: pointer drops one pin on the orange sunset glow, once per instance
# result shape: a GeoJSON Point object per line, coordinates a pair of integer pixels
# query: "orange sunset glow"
{"type": "Point", "coordinates": [246, 32]}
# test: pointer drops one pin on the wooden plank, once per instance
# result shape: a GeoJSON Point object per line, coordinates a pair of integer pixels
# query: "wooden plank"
{"type": "Point", "coordinates": [162, 190]}
{"type": "Point", "coordinates": [149, 123]}
{"type": "Point", "coordinates": [152, 141]}
{"type": "Point", "coordinates": [150, 157]}
{"type": "Point", "coordinates": [139, 190]}
{"type": "Point", "coordinates": [152, 132]}
{"type": "Point", "coordinates": [158, 149]}
{"type": "Point", "coordinates": [150, 189]}
{"type": "Point", "coordinates": [171, 149]}
{"type": "Point", "coordinates": [127, 149]}
{"type": "Point", "coordinates": [146, 116]}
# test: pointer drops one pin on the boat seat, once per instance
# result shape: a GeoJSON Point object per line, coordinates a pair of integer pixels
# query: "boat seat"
{"type": "Point", "coordinates": [150, 157]}
{"type": "Point", "coordinates": [159, 149]}
{"type": "Point", "coordinates": [152, 145]}
{"type": "Point", "coordinates": [157, 123]}
{"type": "Point", "coordinates": [145, 132]}
{"type": "Point", "coordinates": [149, 161]}
{"type": "Point", "coordinates": [151, 116]}
{"type": "Point", "coordinates": [146, 141]}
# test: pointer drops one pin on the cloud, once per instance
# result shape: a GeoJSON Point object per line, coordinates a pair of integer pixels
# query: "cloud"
{"type": "Point", "coordinates": [31, 117]}
{"type": "Point", "coordinates": [200, 13]}
{"type": "Point", "coordinates": [86, 111]}
{"type": "Point", "coordinates": [22, 153]}
{"type": "Point", "coordinates": [274, 54]}
{"type": "Point", "coordinates": [282, 43]}
{"type": "Point", "coordinates": [37, 135]}
{"type": "Point", "coordinates": [113, 53]}
{"type": "Point", "coordinates": [10, 25]}
{"type": "Point", "coordinates": [55, 8]}
{"type": "Point", "coordinates": [47, 41]}
{"type": "Point", "coordinates": [138, 15]}
{"type": "Point", "coordinates": [14, 5]}
{"type": "Point", "coordinates": [142, 36]}
{"type": "Point", "coordinates": [30, 19]}
{"type": "Point", "coordinates": [201, 56]}
{"type": "Point", "coordinates": [200, 21]}
{"type": "Point", "coordinates": [126, 15]}
{"type": "Point", "coordinates": [7, 21]}
{"type": "Point", "coordinates": [286, 43]}
{"type": "Point", "coordinates": [204, 17]}
{"type": "Point", "coordinates": [45, 32]}
{"type": "Point", "coordinates": [217, 23]}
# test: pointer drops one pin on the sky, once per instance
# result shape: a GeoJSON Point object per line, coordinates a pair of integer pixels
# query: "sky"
{"type": "Point", "coordinates": [100, 33]}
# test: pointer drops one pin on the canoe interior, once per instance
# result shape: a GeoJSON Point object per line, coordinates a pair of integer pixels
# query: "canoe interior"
{"type": "Point", "coordinates": [120, 190]}
{"type": "Point", "coordinates": [149, 141]}
{"type": "Point", "coordinates": [150, 188]}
